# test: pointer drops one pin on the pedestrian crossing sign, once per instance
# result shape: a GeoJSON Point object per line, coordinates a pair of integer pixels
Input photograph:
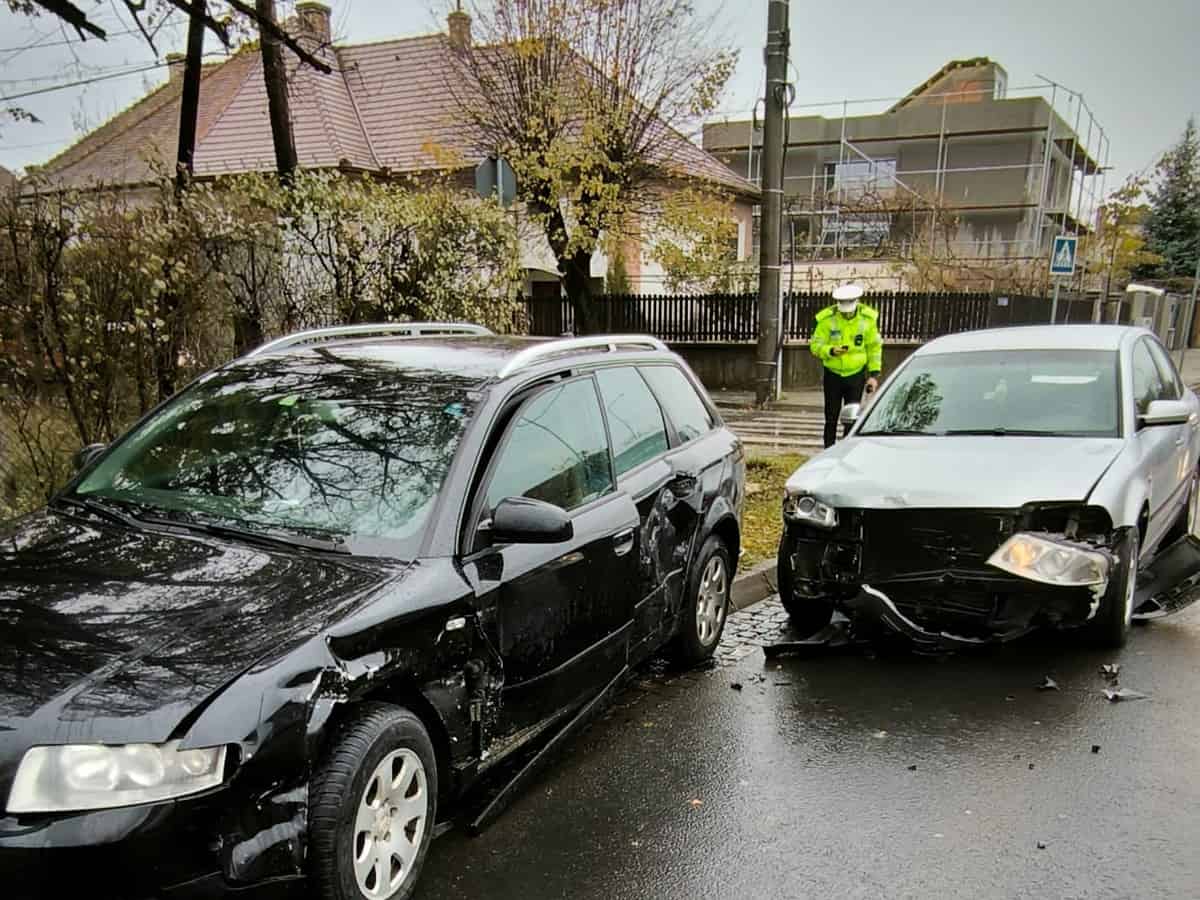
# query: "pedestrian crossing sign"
{"type": "Point", "coordinates": [1062, 259]}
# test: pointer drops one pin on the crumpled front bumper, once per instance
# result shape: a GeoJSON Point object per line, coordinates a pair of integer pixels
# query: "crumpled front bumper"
{"type": "Point", "coordinates": [875, 605]}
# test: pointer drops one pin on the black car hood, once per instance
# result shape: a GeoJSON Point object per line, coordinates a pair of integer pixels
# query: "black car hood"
{"type": "Point", "coordinates": [115, 634]}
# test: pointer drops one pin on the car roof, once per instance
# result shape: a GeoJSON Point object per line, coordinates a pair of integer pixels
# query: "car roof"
{"type": "Point", "coordinates": [1034, 337]}
{"type": "Point", "coordinates": [479, 357]}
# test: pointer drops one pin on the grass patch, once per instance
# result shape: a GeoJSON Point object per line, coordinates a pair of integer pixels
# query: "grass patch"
{"type": "Point", "coordinates": [762, 517]}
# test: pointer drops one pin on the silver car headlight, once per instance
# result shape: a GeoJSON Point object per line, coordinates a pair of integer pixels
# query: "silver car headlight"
{"type": "Point", "coordinates": [1051, 562]}
{"type": "Point", "coordinates": [99, 776]}
{"type": "Point", "coordinates": [809, 510]}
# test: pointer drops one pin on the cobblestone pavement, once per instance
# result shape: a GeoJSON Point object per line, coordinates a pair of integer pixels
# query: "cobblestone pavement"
{"type": "Point", "coordinates": [749, 629]}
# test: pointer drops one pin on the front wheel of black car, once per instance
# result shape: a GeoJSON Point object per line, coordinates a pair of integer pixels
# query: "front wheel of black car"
{"type": "Point", "coordinates": [373, 807]}
{"type": "Point", "coordinates": [808, 615]}
{"type": "Point", "coordinates": [705, 604]}
{"type": "Point", "coordinates": [1110, 626]}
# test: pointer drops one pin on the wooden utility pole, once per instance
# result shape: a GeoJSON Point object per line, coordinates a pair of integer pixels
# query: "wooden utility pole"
{"type": "Point", "coordinates": [275, 77]}
{"type": "Point", "coordinates": [189, 101]}
{"type": "Point", "coordinates": [771, 226]}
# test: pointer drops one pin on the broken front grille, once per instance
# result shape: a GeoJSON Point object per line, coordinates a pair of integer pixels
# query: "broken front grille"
{"type": "Point", "coordinates": [900, 543]}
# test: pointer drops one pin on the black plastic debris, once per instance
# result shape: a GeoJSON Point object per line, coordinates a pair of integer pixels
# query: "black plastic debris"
{"type": "Point", "coordinates": [1120, 694]}
{"type": "Point", "coordinates": [736, 685]}
{"type": "Point", "coordinates": [836, 637]}
{"type": "Point", "coordinates": [913, 767]}
{"type": "Point", "coordinates": [1041, 845]}
{"type": "Point", "coordinates": [1095, 748]}
{"type": "Point", "coordinates": [1048, 684]}
{"type": "Point", "coordinates": [1031, 766]}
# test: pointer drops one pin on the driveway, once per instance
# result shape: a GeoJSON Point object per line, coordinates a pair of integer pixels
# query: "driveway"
{"type": "Point", "coordinates": [861, 776]}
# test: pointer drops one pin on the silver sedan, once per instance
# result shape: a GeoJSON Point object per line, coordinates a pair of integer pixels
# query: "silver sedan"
{"type": "Point", "coordinates": [1001, 480]}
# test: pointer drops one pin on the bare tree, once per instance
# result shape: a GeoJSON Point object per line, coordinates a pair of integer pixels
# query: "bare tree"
{"type": "Point", "coordinates": [587, 100]}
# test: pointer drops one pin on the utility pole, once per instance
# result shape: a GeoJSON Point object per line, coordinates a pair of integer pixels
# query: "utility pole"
{"type": "Point", "coordinates": [771, 223]}
{"type": "Point", "coordinates": [189, 101]}
{"type": "Point", "coordinates": [275, 77]}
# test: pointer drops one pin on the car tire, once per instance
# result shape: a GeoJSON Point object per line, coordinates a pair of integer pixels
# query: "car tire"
{"type": "Point", "coordinates": [1110, 626]}
{"type": "Point", "coordinates": [706, 603]}
{"type": "Point", "coordinates": [808, 615]}
{"type": "Point", "coordinates": [363, 845]}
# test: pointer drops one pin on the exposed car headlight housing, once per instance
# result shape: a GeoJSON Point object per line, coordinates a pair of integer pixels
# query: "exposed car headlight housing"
{"type": "Point", "coordinates": [809, 510]}
{"type": "Point", "coordinates": [1051, 562]}
{"type": "Point", "coordinates": [99, 776]}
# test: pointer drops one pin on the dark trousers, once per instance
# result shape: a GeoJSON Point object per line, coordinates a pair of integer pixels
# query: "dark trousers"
{"type": "Point", "coordinates": [840, 389]}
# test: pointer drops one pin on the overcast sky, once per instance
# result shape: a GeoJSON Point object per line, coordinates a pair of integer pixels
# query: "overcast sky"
{"type": "Point", "coordinates": [1136, 63]}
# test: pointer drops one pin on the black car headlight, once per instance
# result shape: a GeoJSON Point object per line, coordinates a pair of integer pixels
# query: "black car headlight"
{"type": "Point", "coordinates": [1051, 562]}
{"type": "Point", "coordinates": [808, 510]}
{"type": "Point", "coordinates": [75, 777]}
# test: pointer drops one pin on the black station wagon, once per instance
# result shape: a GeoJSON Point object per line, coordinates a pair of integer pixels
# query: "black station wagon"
{"type": "Point", "coordinates": [285, 626]}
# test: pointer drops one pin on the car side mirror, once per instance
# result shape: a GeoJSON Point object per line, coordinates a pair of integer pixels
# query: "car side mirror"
{"type": "Point", "coordinates": [84, 456]}
{"type": "Point", "coordinates": [1165, 412]}
{"type": "Point", "coordinates": [521, 520]}
{"type": "Point", "coordinates": [850, 413]}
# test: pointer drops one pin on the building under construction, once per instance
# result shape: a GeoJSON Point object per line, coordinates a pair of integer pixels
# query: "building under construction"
{"type": "Point", "coordinates": [964, 170]}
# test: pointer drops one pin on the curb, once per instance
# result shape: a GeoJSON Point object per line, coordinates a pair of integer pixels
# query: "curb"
{"type": "Point", "coordinates": [754, 585]}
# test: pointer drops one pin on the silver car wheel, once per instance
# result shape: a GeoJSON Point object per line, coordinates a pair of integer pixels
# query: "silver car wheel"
{"type": "Point", "coordinates": [391, 821]}
{"type": "Point", "coordinates": [1193, 513]}
{"type": "Point", "coordinates": [712, 600]}
{"type": "Point", "coordinates": [1131, 585]}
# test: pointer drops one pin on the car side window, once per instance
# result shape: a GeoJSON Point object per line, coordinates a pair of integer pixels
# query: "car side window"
{"type": "Point", "coordinates": [1172, 383]}
{"type": "Point", "coordinates": [1147, 379]}
{"type": "Point", "coordinates": [635, 420]}
{"type": "Point", "coordinates": [556, 449]}
{"type": "Point", "coordinates": [687, 411]}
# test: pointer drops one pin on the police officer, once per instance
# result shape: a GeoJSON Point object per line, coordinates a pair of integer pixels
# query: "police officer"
{"type": "Point", "coordinates": [846, 340]}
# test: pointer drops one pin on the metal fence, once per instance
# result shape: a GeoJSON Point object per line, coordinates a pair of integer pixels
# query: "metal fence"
{"type": "Point", "coordinates": [733, 318]}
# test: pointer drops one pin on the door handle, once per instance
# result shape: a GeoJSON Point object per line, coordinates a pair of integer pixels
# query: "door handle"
{"type": "Point", "coordinates": [623, 541]}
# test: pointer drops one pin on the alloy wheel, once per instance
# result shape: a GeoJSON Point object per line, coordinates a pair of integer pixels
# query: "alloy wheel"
{"type": "Point", "coordinates": [712, 600]}
{"type": "Point", "coordinates": [391, 821]}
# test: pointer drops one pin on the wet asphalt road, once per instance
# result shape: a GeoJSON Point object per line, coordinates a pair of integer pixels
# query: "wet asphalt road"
{"type": "Point", "coordinates": [801, 784]}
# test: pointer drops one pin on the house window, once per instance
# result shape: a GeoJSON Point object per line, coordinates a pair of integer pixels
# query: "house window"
{"type": "Point", "coordinates": [855, 178]}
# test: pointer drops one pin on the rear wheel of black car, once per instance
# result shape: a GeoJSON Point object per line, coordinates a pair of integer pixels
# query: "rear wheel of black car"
{"type": "Point", "coordinates": [705, 603]}
{"type": "Point", "coordinates": [808, 615]}
{"type": "Point", "coordinates": [373, 807]}
{"type": "Point", "coordinates": [1110, 626]}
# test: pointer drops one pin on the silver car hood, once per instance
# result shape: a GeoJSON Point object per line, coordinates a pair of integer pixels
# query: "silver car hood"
{"type": "Point", "coordinates": [948, 472]}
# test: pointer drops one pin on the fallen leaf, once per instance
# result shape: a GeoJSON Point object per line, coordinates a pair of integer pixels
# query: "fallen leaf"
{"type": "Point", "coordinates": [697, 802]}
{"type": "Point", "coordinates": [880, 734]}
{"type": "Point", "coordinates": [1048, 684]}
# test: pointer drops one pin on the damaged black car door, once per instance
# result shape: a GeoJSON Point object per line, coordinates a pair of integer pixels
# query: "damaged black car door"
{"type": "Point", "coordinates": [557, 612]}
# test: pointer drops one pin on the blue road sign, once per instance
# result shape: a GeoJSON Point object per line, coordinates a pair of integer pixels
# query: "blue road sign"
{"type": "Point", "coordinates": [1062, 257]}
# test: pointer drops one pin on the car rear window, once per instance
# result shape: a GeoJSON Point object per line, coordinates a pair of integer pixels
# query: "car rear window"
{"type": "Point", "coordinates": [635, 420]}
{"type": "Point", "coordinates": [688, 413]}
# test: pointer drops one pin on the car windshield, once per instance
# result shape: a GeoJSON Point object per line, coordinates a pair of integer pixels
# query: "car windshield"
{"type": "Point", "coordinates": [1031, 392]}
{"type": "Point", "coordinates": [350, 450]}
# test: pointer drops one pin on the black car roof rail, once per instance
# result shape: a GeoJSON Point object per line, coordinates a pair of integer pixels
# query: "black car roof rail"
{"type": "Point", "coordinates": [409, 329]}
{"type": "Point", "coordinates": [610, 343]}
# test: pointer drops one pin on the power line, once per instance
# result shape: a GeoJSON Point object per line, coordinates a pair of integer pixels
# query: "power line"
{"type": "Point", "coordinates": [92, 80]}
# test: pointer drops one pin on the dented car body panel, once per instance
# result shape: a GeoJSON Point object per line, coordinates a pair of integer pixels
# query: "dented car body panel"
{"type": "Point", "coordinates": [142, 630]}
{"type": "Point", "coordinates": [953, 461]}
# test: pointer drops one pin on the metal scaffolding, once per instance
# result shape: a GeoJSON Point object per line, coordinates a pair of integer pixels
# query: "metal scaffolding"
{"type": "Point", "coordinates": [855, 202]}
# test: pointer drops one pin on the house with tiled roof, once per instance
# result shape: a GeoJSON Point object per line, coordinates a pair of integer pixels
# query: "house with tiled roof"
{"type": "Point", "coordinates": [384, 109]}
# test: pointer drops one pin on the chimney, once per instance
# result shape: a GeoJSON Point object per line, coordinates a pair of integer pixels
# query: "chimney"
{"type": "Point", "coordinates": [314, 22]}
{"type": "Point", "coordinates": [175, 66]}
{"type": "Point", "coordinates": [460, 29]}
